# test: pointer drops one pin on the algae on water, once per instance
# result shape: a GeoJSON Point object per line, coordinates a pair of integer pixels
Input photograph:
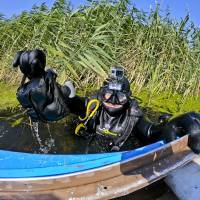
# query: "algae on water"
{"type": "Point", "coordinates": [8, 96]}
{"type": "Point", "coordinates": [165, 102]}
{"type": "Point", "coordinates": [157, 102]}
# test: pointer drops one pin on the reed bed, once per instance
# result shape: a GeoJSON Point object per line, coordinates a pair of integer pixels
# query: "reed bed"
{"type": "Point", "coordinates": [158, 53]}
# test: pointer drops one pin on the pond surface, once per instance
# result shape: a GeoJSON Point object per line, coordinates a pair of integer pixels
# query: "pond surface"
{"type": "Point", "coordinates": [18, 133]}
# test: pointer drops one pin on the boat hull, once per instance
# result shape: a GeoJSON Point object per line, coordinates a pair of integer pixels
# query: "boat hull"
{"type": "Point", "coordinates": [105, 182]}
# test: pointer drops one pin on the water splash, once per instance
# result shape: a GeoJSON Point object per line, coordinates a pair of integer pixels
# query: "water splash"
{"type": "Point", "coordinates": [3, 132]}
{"type": "Point", "coordinates": [49, 143]}
{"type": "Point", "coordinates": [35, 131]}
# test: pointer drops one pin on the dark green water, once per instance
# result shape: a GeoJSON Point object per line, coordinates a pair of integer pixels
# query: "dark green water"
{"type": "Point", "coordinates": [17, 134]}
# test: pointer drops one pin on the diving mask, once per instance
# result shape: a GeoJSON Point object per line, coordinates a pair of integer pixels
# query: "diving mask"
{"type": "Point", "coordinates": [115, 97]}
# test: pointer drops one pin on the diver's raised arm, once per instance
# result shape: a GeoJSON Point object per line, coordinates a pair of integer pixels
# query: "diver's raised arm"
{"type": "Point", "coordinates": [42, 97]}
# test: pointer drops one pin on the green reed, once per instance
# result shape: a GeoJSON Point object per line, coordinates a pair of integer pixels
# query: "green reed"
{"type": "Point", "coordinates": [158, 54]}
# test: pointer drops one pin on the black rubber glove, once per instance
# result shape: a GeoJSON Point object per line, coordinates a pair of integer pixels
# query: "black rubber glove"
{"type": "Point", "coordinates": [31, 63]}
{"type": "Point", "coordinates": [188, 123]}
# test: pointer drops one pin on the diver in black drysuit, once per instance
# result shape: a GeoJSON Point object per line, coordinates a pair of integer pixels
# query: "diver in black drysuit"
{"type": "Point", "coordinates": [117, 118]}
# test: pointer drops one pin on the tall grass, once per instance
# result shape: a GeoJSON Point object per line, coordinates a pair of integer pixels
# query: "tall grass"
{"type": "Point", "coordinates": [157, 53]}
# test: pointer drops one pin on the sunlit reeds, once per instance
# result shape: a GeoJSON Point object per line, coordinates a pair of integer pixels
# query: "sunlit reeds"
{"type": "Point", "coordinates": [157, 53]}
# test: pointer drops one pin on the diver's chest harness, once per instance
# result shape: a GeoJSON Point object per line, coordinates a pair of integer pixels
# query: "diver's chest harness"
{"type": "Point", "coordinates": [113, 127]}
{"type": "Point", "coordinates": [108, 126]}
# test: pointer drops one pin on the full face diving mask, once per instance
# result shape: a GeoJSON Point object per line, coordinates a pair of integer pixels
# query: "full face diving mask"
{"type": "Point", "coordinates": [115, 91]}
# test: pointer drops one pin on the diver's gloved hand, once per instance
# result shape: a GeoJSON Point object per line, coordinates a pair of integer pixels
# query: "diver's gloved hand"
{"type": "Point", "coordinates": [68, 90]}
{"type": "Point", "coordinates": [70, 85]}
{"type": "Point", "coordinates": [188, 123]}
{"type": "Point", "coordinates": [31, 63]}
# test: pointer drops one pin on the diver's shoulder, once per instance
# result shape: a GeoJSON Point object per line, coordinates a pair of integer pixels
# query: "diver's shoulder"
{"type": "Point", "coordinates": [135, 110]}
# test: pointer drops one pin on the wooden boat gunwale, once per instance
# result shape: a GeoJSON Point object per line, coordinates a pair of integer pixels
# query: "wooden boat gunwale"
{"type": "Point", "coordinates": [89, 170]}
{"type": "Point", "coordinates": [114, 180]}
{"type": "Point", "coordinates": [82, 172]}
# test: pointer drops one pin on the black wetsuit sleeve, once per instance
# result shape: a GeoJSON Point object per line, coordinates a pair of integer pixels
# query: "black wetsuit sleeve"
{"type": "Point", "coordinates": [77, 105]}
{"type": "Point", "coordinates": [146, 131]}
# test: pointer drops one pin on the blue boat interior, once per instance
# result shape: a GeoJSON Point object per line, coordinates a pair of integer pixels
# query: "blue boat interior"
{"type": "Point", "coordinates": [27, 165]}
